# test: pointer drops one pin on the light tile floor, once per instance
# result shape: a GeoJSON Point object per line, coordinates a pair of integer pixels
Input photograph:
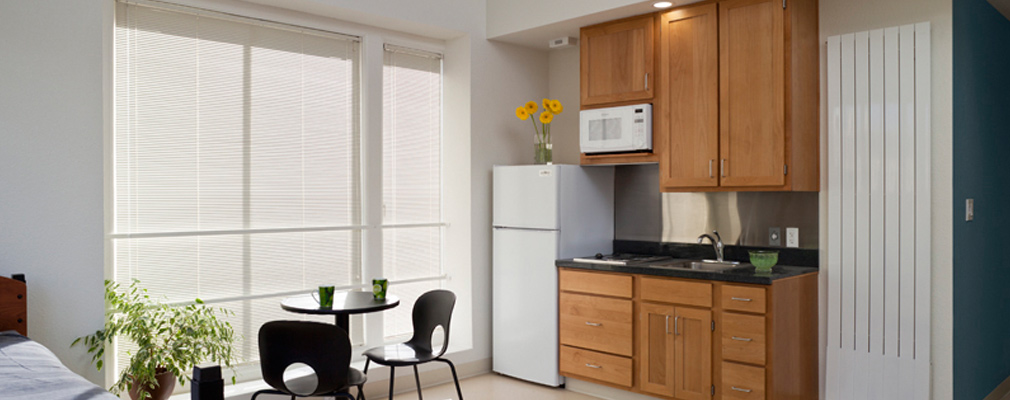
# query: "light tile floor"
{"type": "Point", "coordinates": [494, 387]}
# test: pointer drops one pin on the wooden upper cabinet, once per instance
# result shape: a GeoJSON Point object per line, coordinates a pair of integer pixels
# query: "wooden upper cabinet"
{"type": "Point", "coordinates": [617, 61]}
{"type": "Point", "coordinates": [688, 100]}
{"type": "Point", "coordinates": [752, 93]}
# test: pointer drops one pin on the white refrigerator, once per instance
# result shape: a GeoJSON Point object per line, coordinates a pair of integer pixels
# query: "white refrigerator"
{"type": "Point", "coordinates": [541, 213]}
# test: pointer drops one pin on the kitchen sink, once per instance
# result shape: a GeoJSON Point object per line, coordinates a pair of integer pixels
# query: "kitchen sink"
{"type": "Point", "coordinates": [703, 265]}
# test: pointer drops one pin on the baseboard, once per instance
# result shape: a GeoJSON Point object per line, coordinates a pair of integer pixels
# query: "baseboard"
{"type": "Point", "coordinates": [603, 392]}
{"type": "Point", "coordinates": [1001, 392]}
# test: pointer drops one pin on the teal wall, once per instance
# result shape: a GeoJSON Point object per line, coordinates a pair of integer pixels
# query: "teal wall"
{"type": "Point", "coordinates": [981, 171]}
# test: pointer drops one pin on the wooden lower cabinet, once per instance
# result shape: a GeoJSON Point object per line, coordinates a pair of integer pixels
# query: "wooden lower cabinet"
{"type": "Point", "coordinates": [691, 339]}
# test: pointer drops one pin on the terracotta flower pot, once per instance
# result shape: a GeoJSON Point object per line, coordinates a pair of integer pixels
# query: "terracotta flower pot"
{"type": "Point", "coordinates": [166, 384]}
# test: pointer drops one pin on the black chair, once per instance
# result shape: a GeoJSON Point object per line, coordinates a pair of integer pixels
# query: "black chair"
{"type": "Point", "coordinates": [323, 347]}
{"type": "Point", "coordinates": [432, 309]}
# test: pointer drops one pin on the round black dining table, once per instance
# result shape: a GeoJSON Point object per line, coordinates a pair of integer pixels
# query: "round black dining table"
{"type": "Point", "coordinates": [344, 304]}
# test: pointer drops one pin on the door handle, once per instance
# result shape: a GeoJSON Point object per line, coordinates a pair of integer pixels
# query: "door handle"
{"type": "Point", "coordinates": [740, 299]}
{"type": "Point", "coordinates": [710, 162]}
{"type": "Point", "coordinates": [740, 389]}
{"type": "Point", "coordinates": [593, 323]}
{"type": "Point", "coordinates": [741, 339]}
{"type": "Point", "coordinates": [667, 324]}
{"type": "Point", "coordinates": [676, 325]}
{"type": "Point", "coordinates": [722, 167]}
{"type": "Point", "coordinates": [598, 367]}
{"type": "Point", "coordinates": [646, 81]}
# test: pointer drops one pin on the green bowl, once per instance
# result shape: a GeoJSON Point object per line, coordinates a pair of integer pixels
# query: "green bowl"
{"type": "Point", "coordinates": [764, 260]}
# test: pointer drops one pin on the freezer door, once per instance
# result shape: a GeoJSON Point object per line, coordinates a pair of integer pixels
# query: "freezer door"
{"type": "Point", "coordinates": [525, 305]}
{"type": "Point", "coordinates": [526, 196]}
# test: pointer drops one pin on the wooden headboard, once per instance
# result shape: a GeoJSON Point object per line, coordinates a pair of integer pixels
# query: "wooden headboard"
{"type": "Point", "coordinates": [14, 304]}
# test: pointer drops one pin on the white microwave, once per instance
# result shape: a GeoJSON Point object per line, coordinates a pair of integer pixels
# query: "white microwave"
{"type": "Point", "coordinates": [616, 129]}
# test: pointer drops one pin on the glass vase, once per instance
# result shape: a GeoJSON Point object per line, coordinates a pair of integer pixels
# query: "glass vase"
{"type": "Point", "coordinates": [543, 153]}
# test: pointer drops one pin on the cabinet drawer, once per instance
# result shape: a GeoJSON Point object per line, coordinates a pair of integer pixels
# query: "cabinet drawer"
{"type": "Point", "coordinates": [599, 366]}
{"type": "Point", "coordinates": [677, 292]}
{"type": "Point", "coordinates": [595, 283]}
{"type": "Point", "coordinates": [742, 382]}
{"type": "Point", "coordinates": [598, 323]}
{"type": "Point", "coordinates": [743, 298]}
{"type": "Point", "coordinates": [743, 338]}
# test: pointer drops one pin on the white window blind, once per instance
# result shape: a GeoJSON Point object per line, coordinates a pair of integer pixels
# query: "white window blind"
{"type": "Point", "coordinates": [235, 161]}
{"type": "Point", "coordinates": [412, 185]}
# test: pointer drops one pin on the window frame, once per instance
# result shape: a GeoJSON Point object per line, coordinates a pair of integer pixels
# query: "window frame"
{"type": "Point", "coordinates": [366, 329]}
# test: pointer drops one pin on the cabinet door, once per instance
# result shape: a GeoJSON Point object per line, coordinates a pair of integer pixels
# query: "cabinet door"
{"type": "Point", "coordinates": [692, 353]}
{"type": "Point", "coordinates": [656, 346]}
{"type": "Point", "coordinates": [752, 93]}
{"type": "Point", "coordinates": [617, 61]}
{"type": "Point", "coordinates": [688, 98]}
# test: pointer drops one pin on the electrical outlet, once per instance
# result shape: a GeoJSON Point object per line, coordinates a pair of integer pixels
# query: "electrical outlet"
{"type": "Point", "coordinates": [775, 236]}
{"type": "Point", "coordinates": [792, 237]}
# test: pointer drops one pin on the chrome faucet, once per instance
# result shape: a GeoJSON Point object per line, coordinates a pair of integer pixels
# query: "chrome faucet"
{"type": "Point", "coordinates": [716, 243]}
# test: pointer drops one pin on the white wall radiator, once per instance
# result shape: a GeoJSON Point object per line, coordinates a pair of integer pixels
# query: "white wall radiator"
{"type": "Point", "coordinates": [878, 319]}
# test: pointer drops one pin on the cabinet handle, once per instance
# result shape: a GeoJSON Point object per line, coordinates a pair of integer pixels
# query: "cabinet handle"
{"type": "Point", "coordinates": [741, 339]}
{"type": "Point", "coordinates": [667, 324]}
{"type": "Point", "coordinates": [598, 367]}
{"type": "Point", "coordinates": [593, 323]}
{"type": "Point", "coordinates": [722, 167]}
{"type": "Point", "coordinates": [676, 325]}
{"type": "Point", "coordinates": [710, 162]}
{"type": "Point", "coordinates": [740, 299]}
{"type": "Point", "coordinates": [646, 81]}
{"type": "Point", "coordinates": [739, 389]}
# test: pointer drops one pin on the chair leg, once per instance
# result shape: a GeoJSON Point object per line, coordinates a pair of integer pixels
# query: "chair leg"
{"type": "Point", "coordinates": [454, 377]}
{"type": "Point", "coordinates": [361, 392]}
{"type": "Point", "coordinates": [417, 379]}
{"type": "Point", "coordinates": [367, 361]}
{"type": "Point", "coordinates": [391, 369]}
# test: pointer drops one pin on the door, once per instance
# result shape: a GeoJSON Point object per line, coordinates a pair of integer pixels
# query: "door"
{"type": "Point", "coordinates": [525, 304]}
{"type": "Point", "coordinates": [617, 61]}
{"type": "Point", "coordinates": [688, 111]}
{"type": "Point", "coordinates": [526, 196]}
{"type": "Point", "coordinates": [656, 345]}
{"type": "Point", "coordinates": [752, 93]}
{"type": "Point", "coordinates": [692, 353]}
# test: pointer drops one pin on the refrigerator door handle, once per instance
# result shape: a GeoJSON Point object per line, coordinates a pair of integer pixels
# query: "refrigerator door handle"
{"type": "Point", "coordinates": [525, 229]}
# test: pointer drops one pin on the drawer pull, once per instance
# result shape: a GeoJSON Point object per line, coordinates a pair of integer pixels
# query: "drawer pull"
{"type": "Point", "coordinates": [739, 389]}
{"type": "Point", "coordinates": [593, 323]}
{"type": "Point", "coordinates": [593, 366]}
{"type": "Point", "coordinates": [741, 339]}
{"type": "Point", "coordinates": [740, 299]}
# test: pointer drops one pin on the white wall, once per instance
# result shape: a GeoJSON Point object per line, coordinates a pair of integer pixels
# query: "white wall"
{"type": "Point", "coordinates": [846, 16]}
{"type": "Point", "coordinates": [564, 86]}
{"type": "Point", "coordinates": [51, 179]}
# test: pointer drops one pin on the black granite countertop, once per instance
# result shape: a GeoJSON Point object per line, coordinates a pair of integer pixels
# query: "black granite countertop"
{"type": "Point", "coordinates": [744, 274]}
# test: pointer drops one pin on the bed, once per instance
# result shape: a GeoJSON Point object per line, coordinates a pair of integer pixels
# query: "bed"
{"type": "Point", "coordinates": [28, 370]}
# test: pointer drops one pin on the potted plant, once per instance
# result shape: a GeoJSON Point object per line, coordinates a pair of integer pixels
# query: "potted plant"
{"type": "Point", "coordinates": [170, 340]}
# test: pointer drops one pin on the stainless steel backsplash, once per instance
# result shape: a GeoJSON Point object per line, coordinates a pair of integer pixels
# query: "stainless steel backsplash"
{"type": "Point", "coordinates": [641, 212]}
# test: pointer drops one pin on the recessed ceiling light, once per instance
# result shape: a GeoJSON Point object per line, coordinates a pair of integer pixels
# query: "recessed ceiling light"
{"type": "Point", "coordinates": [662, 4]}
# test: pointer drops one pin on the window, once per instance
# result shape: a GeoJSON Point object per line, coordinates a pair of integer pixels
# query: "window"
{"type": "Point", "coordinates": [412, 184]}
{"type": "Point", "coordinates": [235, 162]}
{"type": "Point", "coordinates": [237, 167]}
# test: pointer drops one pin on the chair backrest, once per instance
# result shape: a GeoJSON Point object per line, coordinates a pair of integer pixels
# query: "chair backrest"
{"type": "Point", "coordinates": [324, 347]}
{"type": "Point", "coordinates": [432, 309]}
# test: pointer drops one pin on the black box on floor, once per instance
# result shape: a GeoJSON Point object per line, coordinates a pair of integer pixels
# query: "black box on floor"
{"type": "Point", "coordinates": [207, 383]}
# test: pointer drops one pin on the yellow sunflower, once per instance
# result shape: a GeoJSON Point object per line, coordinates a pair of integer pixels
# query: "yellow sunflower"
{"type": "Point", "coordinates": [546, 117]}
{"type": "Point", "coordinates": [531, 107]}
{"type": "Point", "coordinates": [555, 107]}
{"type": "Point", "coordinates": [547, 104]}
{"type": "Point", "coordinates": [521, 113]}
